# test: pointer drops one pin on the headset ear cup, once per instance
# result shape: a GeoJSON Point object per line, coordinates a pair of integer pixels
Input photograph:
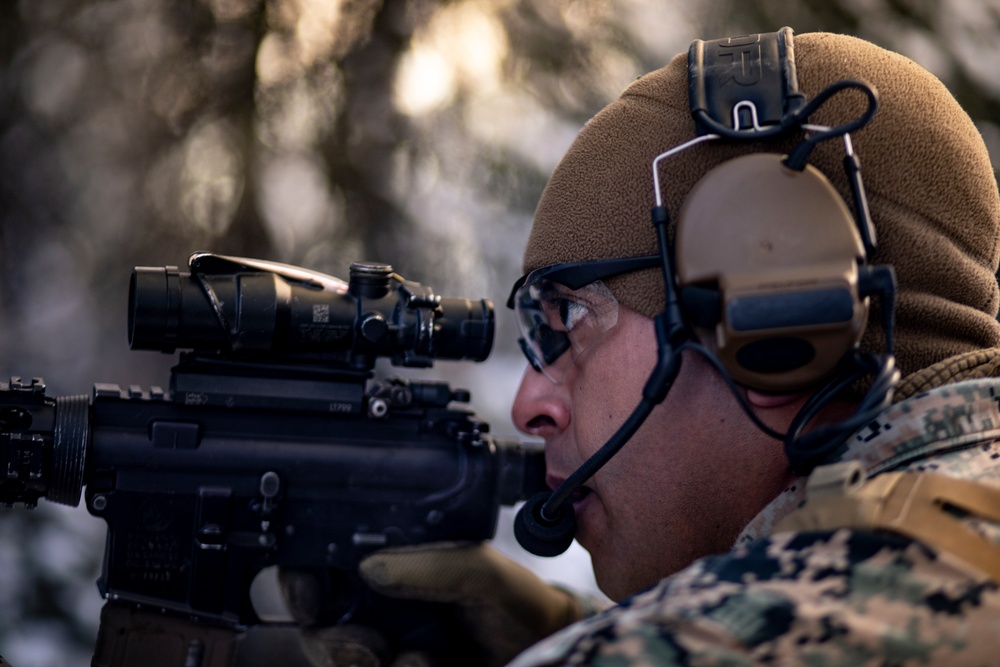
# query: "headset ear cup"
{"type": "Point", "coordinates": [781, 250]}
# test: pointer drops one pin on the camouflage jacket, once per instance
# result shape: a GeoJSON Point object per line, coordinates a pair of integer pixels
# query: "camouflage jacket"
{"type": "Point", "coordinates": [830, 597]}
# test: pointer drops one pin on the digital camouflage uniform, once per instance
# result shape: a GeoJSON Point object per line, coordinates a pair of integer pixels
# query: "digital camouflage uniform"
{"type": "Point", "coordinates": [830, 597]}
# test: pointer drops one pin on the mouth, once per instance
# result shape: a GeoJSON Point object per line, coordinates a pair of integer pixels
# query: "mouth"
{"type": "Point", "coordinates": [577, 497]}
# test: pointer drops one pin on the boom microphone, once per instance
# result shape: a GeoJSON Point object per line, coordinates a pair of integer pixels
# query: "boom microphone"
{"type": "Point", "coordinates": [546, 524]}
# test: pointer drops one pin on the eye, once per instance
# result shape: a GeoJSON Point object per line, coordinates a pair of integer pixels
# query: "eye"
{"type": "Point", "coordinates": [571, 313]}
{"type": "Point", "coordinates": [563, 311]}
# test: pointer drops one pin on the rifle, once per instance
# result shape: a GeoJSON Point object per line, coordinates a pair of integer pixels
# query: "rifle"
{"type": "Point", "coordinates": [273, 446]}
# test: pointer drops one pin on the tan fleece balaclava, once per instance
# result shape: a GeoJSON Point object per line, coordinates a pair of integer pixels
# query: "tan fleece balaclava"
{"type": "Point", "coordinates": [931, 189]}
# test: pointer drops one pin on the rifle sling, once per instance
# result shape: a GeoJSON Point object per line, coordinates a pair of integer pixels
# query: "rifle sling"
{"type": "Point", "coordinates": [924, 506]}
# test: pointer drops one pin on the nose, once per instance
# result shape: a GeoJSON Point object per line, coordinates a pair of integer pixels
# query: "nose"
{"type": "Point", "coordinates": [541, 407]}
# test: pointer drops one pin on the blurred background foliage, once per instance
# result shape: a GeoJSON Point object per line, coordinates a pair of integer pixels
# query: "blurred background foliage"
{"type": "Point", "coordinates": [319, 132]}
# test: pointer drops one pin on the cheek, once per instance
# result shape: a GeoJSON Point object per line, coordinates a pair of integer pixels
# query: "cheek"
{"type": "Point", "coordinates": [601, 404]}
{"type": "Point", "coordinates": [609, 386]}
{"type": "Point", "coordinates": [605, 391]}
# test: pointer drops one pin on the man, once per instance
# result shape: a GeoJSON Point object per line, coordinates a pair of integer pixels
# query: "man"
{"type": "Point", "coordinates": [693, 525]}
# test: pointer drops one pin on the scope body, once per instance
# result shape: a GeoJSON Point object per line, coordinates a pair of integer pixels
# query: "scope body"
{"type": "Point", "coordinates": [233, 306]}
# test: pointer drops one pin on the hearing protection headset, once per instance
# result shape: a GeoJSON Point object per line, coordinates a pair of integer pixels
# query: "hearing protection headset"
{"type": "Point", "coordinates": [768, 274]}
{"type": "Point", "coordinates": [770, 263]}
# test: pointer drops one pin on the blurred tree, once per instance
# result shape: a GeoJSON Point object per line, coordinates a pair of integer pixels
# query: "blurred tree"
{"type": "Point", "coordinates": [307, 131]}
{"type": "Point", "coordinates": [316, 132]}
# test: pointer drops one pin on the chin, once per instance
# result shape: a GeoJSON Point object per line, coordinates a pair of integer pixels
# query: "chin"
{"type": "Point", "coordinates": [611, 579]}
{"type": "Point", "coordinates": [614, 589]}
{"type": "Point", "coordinates": [619, 581]}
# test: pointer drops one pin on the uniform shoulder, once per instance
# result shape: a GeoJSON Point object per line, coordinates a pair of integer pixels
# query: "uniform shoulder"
{"type": "Point", "coordinates": [795, 598]}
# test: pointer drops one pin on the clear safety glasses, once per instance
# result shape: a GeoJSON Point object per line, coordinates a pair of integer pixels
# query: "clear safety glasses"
{"type": "Point", "coordinates": [564, 309]}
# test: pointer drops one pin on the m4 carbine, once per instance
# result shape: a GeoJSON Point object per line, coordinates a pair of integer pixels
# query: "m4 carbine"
{"type": "Point", "coordinates": [272, 447]}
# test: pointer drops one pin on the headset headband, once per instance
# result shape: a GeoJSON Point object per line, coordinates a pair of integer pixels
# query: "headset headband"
{"type": "Point", "coordinates": [744, 84]}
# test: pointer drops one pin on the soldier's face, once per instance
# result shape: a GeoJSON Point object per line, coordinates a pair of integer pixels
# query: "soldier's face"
{"type": "Point", "coordinates": [685, 484]}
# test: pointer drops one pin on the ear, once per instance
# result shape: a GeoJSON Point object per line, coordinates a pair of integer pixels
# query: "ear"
{"type": "Point", "coordinates": [760, 399]}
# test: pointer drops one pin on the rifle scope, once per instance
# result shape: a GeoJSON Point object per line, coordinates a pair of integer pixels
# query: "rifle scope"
{"type": "Point", "coordinates": [239, 306]}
